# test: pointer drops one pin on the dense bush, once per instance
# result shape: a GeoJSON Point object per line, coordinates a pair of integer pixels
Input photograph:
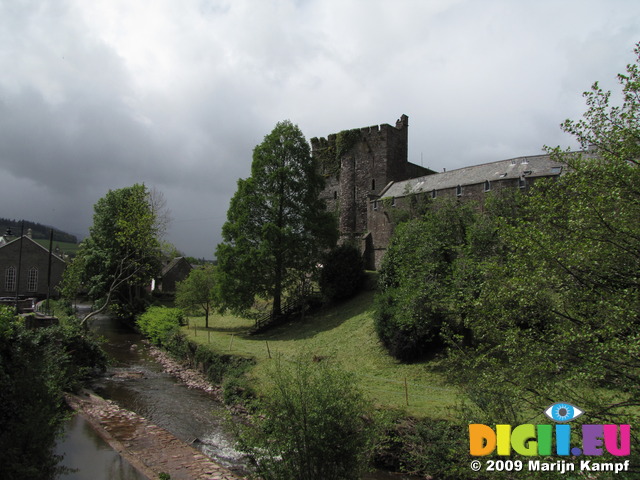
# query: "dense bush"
{"type": "Point", "coordinates": [36, 367]}
{"type": "Point", "coordinates": [342, 273]}
{"type": "Point", "coordinates": [313, 425]}
{"type": "Point", "coordinates": [438, 448]}
{"type": "Point", "coordinates": [417, 291]}
{"type": "Point", "coordinates": [159, 323]}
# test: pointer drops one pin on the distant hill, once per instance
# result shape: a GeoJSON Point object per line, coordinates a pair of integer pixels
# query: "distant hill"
{"type": "Point", "coordinates": [38, 231]}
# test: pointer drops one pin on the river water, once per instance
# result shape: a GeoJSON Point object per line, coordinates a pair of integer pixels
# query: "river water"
{"type": "Point", "coordinates": [135, 381]}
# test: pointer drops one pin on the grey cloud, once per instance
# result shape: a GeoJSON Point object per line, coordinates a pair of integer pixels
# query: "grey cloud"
{"type": "Point", "coordinates": [99, 95]}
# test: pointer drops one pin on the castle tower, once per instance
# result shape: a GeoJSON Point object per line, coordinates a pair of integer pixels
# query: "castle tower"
{"type": "Point", "coordinates": [357, 165]}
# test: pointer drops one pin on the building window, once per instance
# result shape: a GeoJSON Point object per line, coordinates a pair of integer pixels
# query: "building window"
{"type": "Point", "coordinates": [32, 280]}
{"type": "Point", "coordinates": [335, 194]}
{"type": "Point", "coordinates": [375, 205]}
{"type": "Point", "coordinates": [556, 170]}
{"type": "Point", "coordinates": [373, 184]}
{"type": "Point", "coordinates": [522, 182]}
{"type": "Point", "coordinates": [434, 193]}
{"type": "Point", "coordinates": [487, 185]}
{"type": "Point", "coordinates": [393, 201]}
{"type": "Point", "coordinates": [459, 191]}
{"type": "Point", "coordinates": [10, 279]}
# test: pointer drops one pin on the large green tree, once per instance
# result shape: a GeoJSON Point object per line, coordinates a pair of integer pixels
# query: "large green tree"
{"type": "Point", "coordinates": [121, 254]}
{"type": "Point", "coordinates": [559, 317]}
{"type": "Point", "coordinates": [277, 227]}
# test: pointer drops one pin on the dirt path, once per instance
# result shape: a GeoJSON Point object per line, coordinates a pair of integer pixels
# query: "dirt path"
{"type": "Point", "coordinates": [149, 448]}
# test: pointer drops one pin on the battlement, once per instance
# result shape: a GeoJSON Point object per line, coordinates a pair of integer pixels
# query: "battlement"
{"type": "Point", "coordinates": [384, 128]}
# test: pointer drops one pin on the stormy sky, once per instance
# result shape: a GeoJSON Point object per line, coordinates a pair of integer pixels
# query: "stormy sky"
{"type": "Point", "coordinates": [102, 94]}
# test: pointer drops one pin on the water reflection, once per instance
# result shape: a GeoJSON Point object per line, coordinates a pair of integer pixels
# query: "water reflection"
{"type": "Point", "coordinates": [90, 457]}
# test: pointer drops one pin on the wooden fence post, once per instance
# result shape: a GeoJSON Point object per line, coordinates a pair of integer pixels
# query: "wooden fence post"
{"type": "Point", "coordinates": [406, 391]}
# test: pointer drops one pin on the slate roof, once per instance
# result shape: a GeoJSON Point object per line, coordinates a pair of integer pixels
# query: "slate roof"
{"type": "Point", "coordinates": [4, 242]}
{"type": "Point", "coordinates": [171, 265]}
{"type": "Point", "coordinates": [528, 167]}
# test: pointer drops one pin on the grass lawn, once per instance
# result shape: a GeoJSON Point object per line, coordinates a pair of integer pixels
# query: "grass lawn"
{"type": "Point", "coordinates": [344, 333]}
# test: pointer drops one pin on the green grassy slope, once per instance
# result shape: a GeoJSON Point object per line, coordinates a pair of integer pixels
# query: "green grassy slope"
{"type": "Point", "coordinates": [68, 248]}
{"type": "Point", "coordinates": [344, 333]}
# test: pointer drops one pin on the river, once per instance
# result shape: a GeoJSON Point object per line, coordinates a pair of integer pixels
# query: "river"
{"type": "Point", "coordinates": [135, 381]}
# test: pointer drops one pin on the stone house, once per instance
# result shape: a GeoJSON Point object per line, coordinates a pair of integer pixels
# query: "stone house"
{"type": "Point", "coordinates": [173, 271]}
{"type": "Point", "coordinates": [367, 173]}
{"type": "Point", "coordinates": [25, 261]}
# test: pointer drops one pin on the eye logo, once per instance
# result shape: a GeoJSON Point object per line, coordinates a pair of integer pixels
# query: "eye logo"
{"type": "Point", "coordinates": [563, 412]}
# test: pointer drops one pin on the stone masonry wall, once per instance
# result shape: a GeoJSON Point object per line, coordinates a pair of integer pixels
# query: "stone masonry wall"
{"type": "Point", "coordinates": [357, 165]}
{"type": "Point", "coordinates": [381, 216]}
{"type": "Point", "coordinates": [33, 256]}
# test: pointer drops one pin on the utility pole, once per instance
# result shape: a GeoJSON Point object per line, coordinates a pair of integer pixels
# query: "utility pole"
{"type": "Point", "coordinates": [19, 269]}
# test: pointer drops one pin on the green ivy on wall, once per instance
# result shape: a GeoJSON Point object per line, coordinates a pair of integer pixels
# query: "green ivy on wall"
{"type": "Point", "coordinates": [329, 156]}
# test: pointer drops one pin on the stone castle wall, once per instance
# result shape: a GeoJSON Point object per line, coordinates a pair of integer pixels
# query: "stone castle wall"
{"type": "Point", "coordinates": [357, 165]}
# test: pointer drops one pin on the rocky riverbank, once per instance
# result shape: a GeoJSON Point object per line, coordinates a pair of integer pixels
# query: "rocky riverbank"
{"type": "Point", "coordinates": [150, 449]}
{"type": "Point", "coordinates": [190, 377]}
{"type": "Point", "coordinates": [193, 378]}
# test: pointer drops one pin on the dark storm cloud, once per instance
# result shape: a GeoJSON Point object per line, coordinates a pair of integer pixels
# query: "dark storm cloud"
{"type": "Point", "coordinates": [103, 94]}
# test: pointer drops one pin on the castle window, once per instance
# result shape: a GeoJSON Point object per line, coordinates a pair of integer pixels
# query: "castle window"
{"type": "Point", "coordinates": [10, 279]}
{"type": "Point", "coordinates": [32, 280]}
{"type": "Point", "coordinates": [335, 194]}
{"type": "Point", "coordinates": [434, 193]}
{"type": "Point", "coordinates": [375, 205]}
{"type": "Point", "coordinates": [459, 191]}
{"type": "Point", "coordinates": [373, 184]}
{"type": "Point", "coordinates": [487, 185]}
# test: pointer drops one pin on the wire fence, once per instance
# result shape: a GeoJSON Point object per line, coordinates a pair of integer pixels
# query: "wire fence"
{"type": "Point", "coordinates": [404, 390]}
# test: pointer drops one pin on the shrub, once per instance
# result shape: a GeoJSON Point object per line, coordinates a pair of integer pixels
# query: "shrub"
{"type": "Point", "coordinates": [237, 389]}
{"type": "Point", "coordinates": [159, 323]}
{"type": "Point", "coordinates": [342, 273]}
{"type": "Point", "coordinates": [426, 447]}
{"type": "Point", "coordinates": [313, 425]}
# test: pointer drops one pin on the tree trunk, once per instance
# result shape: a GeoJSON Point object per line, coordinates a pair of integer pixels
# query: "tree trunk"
{"type": "Point", "coordinates": [277, 291]}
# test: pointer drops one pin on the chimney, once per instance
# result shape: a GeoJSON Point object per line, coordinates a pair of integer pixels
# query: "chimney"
{"type": "Point", "coordinates": [29, 233]}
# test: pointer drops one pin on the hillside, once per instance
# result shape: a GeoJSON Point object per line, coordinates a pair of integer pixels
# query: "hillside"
{"type": "Point", "coordinates": [344, 333]}
{"type": "Point", "coordinates": [38, 231]}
